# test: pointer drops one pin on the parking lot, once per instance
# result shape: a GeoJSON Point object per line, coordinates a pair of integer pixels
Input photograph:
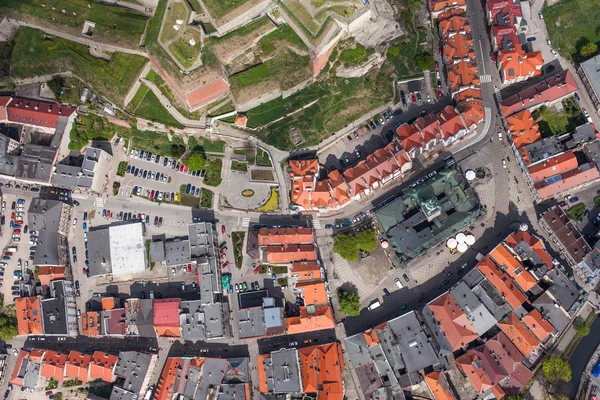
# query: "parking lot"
{"type": "Point", "coordinates": [157, 179]}
{"type": "Point", "coordinates": [15, 244]}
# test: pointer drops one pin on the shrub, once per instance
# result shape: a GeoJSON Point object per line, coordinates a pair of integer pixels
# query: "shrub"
{"type": "Point", "coordinates": [349, 302]}
{"type": "Point", "coordinates": [196, 161]}
{"type": "Point", "coordinates": [556, 369]}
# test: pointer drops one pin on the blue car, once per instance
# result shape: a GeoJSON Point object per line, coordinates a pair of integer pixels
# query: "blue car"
{"type": "Point", "coordinates": [128, 170]}
{"type": "Point", "coordinates": [197, 191]}
{"type": "Point", "coordinates": [328, 226]}
{"type": "Point", "coordinates": [12, 224]}
{"type": "Point", "coordinates": [21, 201]}
{"type": "Point", "coordinates": [187, 188]}
{"type": "Point", "coordinates": [6, 258]}
{"type": "Point", "coordinates": [84, 226]}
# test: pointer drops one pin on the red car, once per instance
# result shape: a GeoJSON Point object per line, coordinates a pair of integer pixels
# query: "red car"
{"type": "Point", "coordinates": [441, 52]}
{"type": "Point", "coordinates": [256, 270]}
{"type": "Point", "coordinates": [189, 267]}
{"type": "Point", "coordinates": [185, 168]}
{"type": "Point", "coordinates": [8, 254]}
{"type": "Point", "coordinates": [223, 250]}
{"type": "Point", "coordinates": [440, 94]}
{"type": "Point", "coordinates": [225, 264]}
{"type": "Point", "coordinates": [223, 255]}
{"type": "Point", "coordinates": [84, 271]}
{"type": "Point", "coordinates": [181, 168]}
{"type": "Point", "coordinates": [12, 216]}
{"type": "Point", "coordinates": [17, 231]}
{"type": "Point", "coordinates": [49, 392]}
{"type": "Point", "coordinates": [223, 229]}
{"type": "Point", "coordinates": [437, 67]}
{"type": "Point", "coordinates": [107, 214]}
{"type": "Point", "coordinates": [414, 99]}
{"type": "Point", "coordinates": [139, 217]}
{"type": "Point", "coordinates": [152, 194]}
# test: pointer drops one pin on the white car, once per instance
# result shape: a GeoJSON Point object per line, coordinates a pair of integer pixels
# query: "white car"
{"type": "Point", "coordinates": [503, 163]}
{"type": "Point", "coordinates": [74, 222]}
{"type": "Point", "coordinates": [500, 136]}
{"type": "Point", "coordinates": [548, 41]}
{"type": "Point", "coordinates": [3, 205]}
{"type": "Point", "coordinates": [554, 53]}
{"type": "Point", "coordinates": [160, 196]}
{"type": "Point", "coordinates": [541, 15]}
{"type": "Point", "coordinates": [85, 236]}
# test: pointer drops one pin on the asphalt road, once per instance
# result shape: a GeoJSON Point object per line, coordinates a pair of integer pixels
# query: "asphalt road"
{"type": "Point", "coordinates": [296, 341]}
{"type": "Point", "coordinates": [89, 345]}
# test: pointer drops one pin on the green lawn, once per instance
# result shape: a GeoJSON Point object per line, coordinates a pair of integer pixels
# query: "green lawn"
{"type": "Point", "coordinates": [165, 89]}
{"type": "Point", "coordinates": [111, 21]}
{"type": "Point", "coordinates": [339, 102]}
{"type": "Point", "coordinates": [176, 11]}
{"type": "Point", "coordinates": [223, 109]}
{"type": "Point", "coordinates": [154, 23]}
{"type": "Point", "coordinates": [122, 168]}
{"type": "Point", "coordinates": [249, 153]}
{"type": "Point", "coordinates": [262, 158]}
{"type": "Point", "coordinates": [579, 22]}
{"type": "Point", "coordinates": [284, 34]}
{"type": "Point", "coordinates": [137, 98]}
{"type": "Point", "coordinates": [355, 56]}
{"type": "Point", "coordinates": [184, 53]}
{"type": "Point", "coordinates": [213, 171]}
{"type": "Point", "coordinates": [287, 68]}
{"type": "Point", "coordinates": [36, 55]}
{"type": "Point", "coordinates": [206, 198]}
{"type": "Point", "coordinates": [220, 8]}
{"type": "Point", "coordinates": [558, 122]}
{"type": "Point", "coordinates": [239, 166]}
{"type": "Point", "coordinates": [206, 145]}
{"type": "Point", "coordinates": [576, 212]}
{"type": "Point", "coordinates": [150, 108]}
{"type": "Point", "coordinates": [238, 243]}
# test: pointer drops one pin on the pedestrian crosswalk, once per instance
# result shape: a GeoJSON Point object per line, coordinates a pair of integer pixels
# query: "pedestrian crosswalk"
{"type": "Point", "coordinates": [497, 94]}
{"type": "Point", "coordinates": [245, 222]}
{"type": "Point", "coordinates": [99, 202]}
{"type": "Point", "coordinates": [316, 224]}
{"type": "Point", "coordinates": [485, 78]}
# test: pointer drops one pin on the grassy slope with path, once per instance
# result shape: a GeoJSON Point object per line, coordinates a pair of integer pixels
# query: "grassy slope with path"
{"type": "Point", "coordinates": [578, 19]}
{"type": "Point", "coordinates": [35, 55]}
{"type": "Point", "coordinates": [110, 21]}
{"type": "Point", "coordinates": [206, 145]}
{"type": "Point", "coordinates": [146, 105]}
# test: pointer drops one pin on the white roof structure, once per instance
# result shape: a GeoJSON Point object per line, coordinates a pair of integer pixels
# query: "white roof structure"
{"type": "Point", "coordinates": [179, 22]}
{"type": "Point", "coordinates": [176, 27]}
{"type": "Point", "coordinates": [192, 42]}
{"type": "Point", "coordinates": [127, 251]}
{"type": "Point", "coordinates": [462, 247]}
{"type": "Point", "coordinates": [470, 240]}
{"type": "Point", "coordinates": [470, 175]}
{"type": "Point", "coordinates": [451, 243]}
{"type": "Point", "coordinates": [461, 237]}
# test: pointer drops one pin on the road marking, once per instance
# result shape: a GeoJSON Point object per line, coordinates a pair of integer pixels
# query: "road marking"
{"type": "Point", "coordinates": [99, 202]}
{"type": "Point", "coordinates": [245, 222]}
{"type": "Point", "coordinates": [316, 224]}
{"type": "Point", "coordinates": [485, 78]}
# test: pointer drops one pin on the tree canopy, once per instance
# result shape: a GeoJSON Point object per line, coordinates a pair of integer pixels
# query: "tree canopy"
{"type": "Point", "coordinates": [8, 327]}
{"type": "Point", "coordinates": [424, 61]}
{"type": "Point", "coordinates": [556, 369]}
{"type": "Point", "coordinates": [196, 161]}
{"type": "Point", "coordinates": [349, 302]}
{"type": "Point", "coordinates": [348, 245]}
{"type": "Point", "coordinates": [588, 49]}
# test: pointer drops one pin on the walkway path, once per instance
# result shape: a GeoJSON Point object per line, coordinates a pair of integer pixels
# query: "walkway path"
{"type": "Point", "coordinates": [85, 41]}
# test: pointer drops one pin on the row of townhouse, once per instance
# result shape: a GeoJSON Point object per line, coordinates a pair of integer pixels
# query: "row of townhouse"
{"type": "Point", "coordinates": [130, 369]}
{"type": "Point", "coordinates": [557, 165]}
{"type": "Point", "coordinates": [294, 248]}
{"type": "Point", "coordinates": [482, 339]}
{"type": "Point", "coordinates": [509, 47]}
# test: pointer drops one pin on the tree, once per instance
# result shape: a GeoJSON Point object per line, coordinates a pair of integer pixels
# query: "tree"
{"type": "Point", "coordinates": [177, 150]}
{"type": "Point", "coordinates": [556, 369]}
{"type": "Point", "coordinates": [196, 161]}
{"type": "Point", "coordinates": [349, 302]}
{"type": "Point", "coordinates": [367, 240]}
{"type": "Point", "coordinates": [588, 49]}
{"type": "Point", "coordinates": [424, 61]}
{"type": "Point", "coordinates": [345, 245]}
{"type": "Point", "coordinates": [8, 327]}
{"type": "Point", "coordinates": [582, 329]}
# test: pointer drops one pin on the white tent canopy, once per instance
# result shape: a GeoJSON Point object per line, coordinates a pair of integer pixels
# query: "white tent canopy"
{"type": "Point", "coordinates": [460, 238]}
{"type": "Point", "coordinates": [470, 240]}
{"type": "Point", "coordinates": [470, 175]}
{"type": "Point", "coordinates": [451, 243]}
{"type": "Point", "coordinates": [462, 247]}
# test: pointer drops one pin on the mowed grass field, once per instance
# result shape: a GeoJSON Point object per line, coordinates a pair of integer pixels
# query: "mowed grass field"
{"type": "Point", "coordinates": [579, 22]}
{"type": "Point", "coordinates": [111, 21]}
{"type": "Point", "coordinates": [37, 54]}
{"type": "Point", "coordinates": [146, 105]}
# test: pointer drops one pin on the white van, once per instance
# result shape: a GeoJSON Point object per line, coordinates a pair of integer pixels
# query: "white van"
{"type": "Point", "coordinates": [374, 305]}
{"type": "Point", "coordinates": [12, 249]}
{"type": "Point", "coordinates": [398, 283]}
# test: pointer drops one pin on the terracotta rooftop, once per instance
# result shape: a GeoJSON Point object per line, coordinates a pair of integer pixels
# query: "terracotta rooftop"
{"type": "Point", "coordinates": [29, 315]}
{"type": "Point", "coordinates": [532, 241]}
{"type": "Point", "coordinates": [507, 260]}
{"type": "Point", "coordinates": [39, 113]}
{"type": "Point", "coordinates": [46, 274]}
{"type": "Point", "coordinates": [53, 365]}
{"type": "Point", "coordinates": [300, 168]}
{"type": "Point", "coordinates": [286, 254]}
{"type": "Point", "coordinates": [321, 371]}
{"type": "Point", "coordinates": [90, 323]}
{"type": "Point", "coordinates": [568, 180]}
{"type": "Point", "coordinates": [502, 282]}
{"type": "Point", "coordinates": [269, 236]}
{"type": "Point", "coordinates": [77, 366]}
{"type": "Point", "coordinates": [306, 270]}
{"type": "Point", "coordinates": [523, 129]}
{"type": "Point", "coordinates": [519, 334]}
{"type": "Point", "coordinates": [553, 166]}
{"type": "Point", "coordinates": [313, 292]}
{"type": "Point", "coordinates": [454, 25]}
{"type": "Point", "coordinates": [450, 122]}
{"type": "Point", "coordinates": [467, 94]}
{"type": "Point", "coordinates": [451, 319]}
{"type": "Point", "coordinates": [458, 47]}
{"type": "Point", "coordinates": [516, 65]}
{"type": "Point", "coordinates": [553, 88]}
{"type": "Point", "coordinates": [240, 120]}
{"type": "Point", "coordinates": [438, 5]}
{"type": "Point", "coordinates": [438, 386]}
{"type": "Point", "coordinates": [472, 366]}
{"type": "Point", "coordinates": [472, 112]}
{"type": "Point", "coordinates": [322, 318]}
{"type": "Point", "coordinates": [509, 358]}
{"type": "Point", "coordinates": [540, 327]}
{"type": "Point", "coordinates": [166, 382]}
{"type": "Point", "coordinates": [409, 136]}
{"type": "Point", "coordinates": [461, 74]}
{"type": "Point", "coordinates": [102, 366]}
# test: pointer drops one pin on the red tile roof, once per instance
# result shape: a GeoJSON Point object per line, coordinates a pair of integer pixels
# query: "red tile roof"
{"type": "Point", "coordinates": [321, 371]}
{"type": "Point", "coordinates": [567, 181]}
{"type": "Point", "coordinates": [551, 89]}
{"type": "Point", "coordinates": [472, 112]}
{"type": "Point", "coordinates": [77, 366]}
{"type": "Point", "coordinates": [523, 129]}
{"type": "Point", "coordinates": [439, 5]}
{"type": "Point", "coordinates": [532, 241]}
{"type": "Point", "coordinates": [502, 282]}
{"type": "Point", "coordinates": [461, 74]}
{"type": "Point", "coordinates": [286, 254]}
{"type": "Point", "coordinates": [166, 317]}
{"type": "Point", "coordinates": [518, 333]}
{"type": "Point", "coordinates": [451, 319]}
{"type": "Point", "coordinates": [29, 315]}
{"type": "Point", "coordinates": [468, 94]}
{"type": "Point", "coordinates": [515, 65]}
{"type": "Point", "coordinates": [15, 379]}
{"type": "Point", "coordinates": [164, 387]}
{"type": "Point", "coordinates": [410, 136]}
{"type": "Point", "coordinates": [513, 267]}
{"type": "Point", "coordinates": [102, 366]}
{"type": "Point", "coordinates": [490, 365]}
{"type": "Point", "coordinates": [46, 274]}
{"type": "Point", "coordinates": [313, 292]}
{"type": "Point", "coordinates": [472, 366]}
{"type": "Point", "coordinates": [458, 47]}
{"type": "Point", "coordinates": [509, 358]}
{"type": "Point", "coordinates": [300, 168]}
{"type": "Point", "coordinates": [322, 318]}
{"type": "Point", "coordinates": [438, 386]}
{"type": "Point", "coordinates": [454, 25]}
{"type": "Point", "coordinates": [540, 327]}
{"type": "Point", "coordinates": [53, 365]}
{"type": "Point", "coordinates": [451, 122]}
{"type": "Point", "coordinates": [90, 323]}
{"type": "Point", "coordinates": [39, 113]}
{"type": "Point", "coordinates": [269, 236]}
{"type": "Point", "coordinates": [3, 102]}
{"type": "Point", "coordinates": [429, 126]}
{"type": "Point", "coordinates": [553, 166]}
{"type": "Point", "coordinates": [307, 271]}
